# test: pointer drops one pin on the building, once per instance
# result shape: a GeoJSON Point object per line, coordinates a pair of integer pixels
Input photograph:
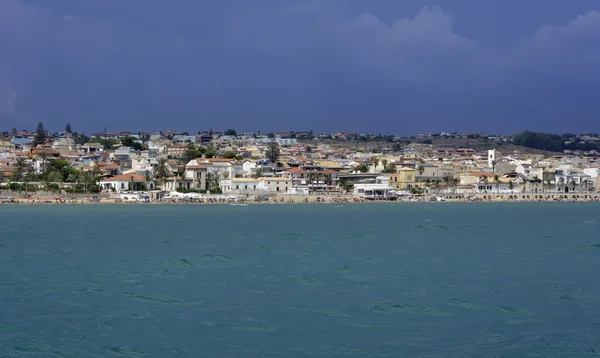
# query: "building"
{"type": "Point", "coordinates": [125, 182]}
{"type": "Point", "coordinates": [403, 179]}
{"type": "Point", "coordinates": [206, 173]}
{"type": "Point", "coordinates": [379, 189]}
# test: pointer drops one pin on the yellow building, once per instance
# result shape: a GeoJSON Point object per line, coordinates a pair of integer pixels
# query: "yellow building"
{"type": "Point", "coordinates": [403, 179]}
{"type": "Point", "coordinates": [6, 145]}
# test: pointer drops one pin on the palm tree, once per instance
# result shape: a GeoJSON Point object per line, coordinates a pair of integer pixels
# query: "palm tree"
{"type": "Point", "coordinates": [497, 182]}
{"type": "Point", "coordinates": [44, 157]}
{"type": "Point", "coordinates": [573, 184]}
{"type": "Point", "coordinates": [162, 172]}
{"type": "Point", "coordinates": [384, 163]}
{"type": "Point", "coordinates": [20, 169]}
{"type": "Point", "coordinates": [561, 181]}
{"type": "Point", "coordinates": [54, 177]}
{"type": "Point", "coordinates": [420, 169]}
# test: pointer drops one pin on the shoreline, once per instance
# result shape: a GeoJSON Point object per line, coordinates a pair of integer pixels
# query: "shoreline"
{"type": "Point", "coordinates": [251, 202]}
{"type": "Point", "coordinates": [53, 199]}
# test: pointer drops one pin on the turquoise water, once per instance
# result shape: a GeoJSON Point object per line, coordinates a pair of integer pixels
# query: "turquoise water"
{"type": "Point", "coordinates": [368, 280]}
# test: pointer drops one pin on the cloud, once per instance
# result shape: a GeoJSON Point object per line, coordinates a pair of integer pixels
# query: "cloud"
{"type": "Point", "coordinates": [8, 96]}
{"type": "Point", "coordinates": [284, 59]}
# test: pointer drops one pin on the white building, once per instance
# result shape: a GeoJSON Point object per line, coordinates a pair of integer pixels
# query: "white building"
{"type": "Point", "coordinates": [124, 182]}
{"type": "Point", "coordinates": [379, 190]}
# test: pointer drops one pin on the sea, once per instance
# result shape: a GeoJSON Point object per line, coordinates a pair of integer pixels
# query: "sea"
{"type": "Point", "coordinates": [300, 280]}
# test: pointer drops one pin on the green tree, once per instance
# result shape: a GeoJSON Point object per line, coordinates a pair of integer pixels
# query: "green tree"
{"type": "Point", "coordinates": [229, 155]}
{"type": "Point", "coordinates": [345, 185]}
{"type": "Point", "coordinates": [362, 168]}
{"type": "Point", "coordinates": [210, 153]}
{"type": "Point", "coordinates": [497, 182]}
{"type": "Point", "coordinates": [132, 143]}
{"type": "Point", "coordinates": [273, 152]}
{"type": "Point", "coordinates": [162, 171]}
{"type": "Point", "coordinates": [258, 173]}
{"type": "Point", "coordinates": [40, 135]}
{"type": "Point", "coordinates": [68, 128]}
{"type": "Point", "coordinates": [20, 169]}
{"type": "Point", "coordinates": [230, 132]}
{"type": "Point", "coordinates": [389, 168]}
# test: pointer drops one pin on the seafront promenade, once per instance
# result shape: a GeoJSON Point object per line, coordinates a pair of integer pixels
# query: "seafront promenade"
{"type": "Point", "coordinates": [50, 198]}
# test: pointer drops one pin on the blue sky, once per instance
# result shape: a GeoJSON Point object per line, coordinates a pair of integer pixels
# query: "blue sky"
{"type": "Point", "coordinates": [385, 66]}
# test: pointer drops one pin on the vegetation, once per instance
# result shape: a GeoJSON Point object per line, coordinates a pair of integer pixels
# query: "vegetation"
{"type": "Point", "coordinates": [273, 152]}
{"type": "Point", "coordinates": [132, 143]}
{"type": "Point", "coordinates": [554, 142]}
{"type": "Point", "coordinates": [40, 135]}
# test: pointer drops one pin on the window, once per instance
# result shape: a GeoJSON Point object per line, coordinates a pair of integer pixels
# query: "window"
{"type": "Point", "coordinates": [277, 188]}
{"type": "Point", "coordinates": [237, 186]}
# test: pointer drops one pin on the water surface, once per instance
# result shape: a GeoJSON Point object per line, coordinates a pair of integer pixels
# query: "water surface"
{"type": "Point", "coordinates": [368, 280]}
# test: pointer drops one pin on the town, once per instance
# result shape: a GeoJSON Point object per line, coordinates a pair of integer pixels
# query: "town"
{"type": "Point", "coordinates": [293, 166]}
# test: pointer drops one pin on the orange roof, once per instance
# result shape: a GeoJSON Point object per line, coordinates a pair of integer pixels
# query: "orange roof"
{"type": "Point", "coordinates": [126, 177]}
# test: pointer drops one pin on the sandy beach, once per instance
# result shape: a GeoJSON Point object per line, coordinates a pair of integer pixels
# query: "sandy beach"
{"type": "Point", "coordinates": [302, 199]}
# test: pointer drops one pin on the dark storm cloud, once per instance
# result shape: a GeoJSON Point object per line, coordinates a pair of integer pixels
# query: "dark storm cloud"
{"type": "Point", "coordinates": [325, 65]}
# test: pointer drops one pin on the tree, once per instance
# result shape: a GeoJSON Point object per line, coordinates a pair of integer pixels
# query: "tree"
{"type": "Point", "coordinates": [362, 168]}
{"type": "Point", "coordinates": [230, 132]}
{"type": "Point", "coordinates": [68, 128]}
{"type": "Point", "coordinates": [161, 171]}
{"type": "Point", "coordinates": [497, 182]}
{"type": "Point", "coordinates": [192, 152]}
{"type": "Point", "coordinates": [384, 163]}
{"type": "Point", "coordinates": [40, 135]}
{"type": "Point", "coordinates": [389, 168]}
{"type": "Point", "coordinates": [229, 155]}
{"type": "Point", "coordinates": [511, 186]}
{"type": "Point", "coordinates": [345, 185]}
{"type": "Point", "coordinates": [210, 153]}
{"type": "Point", "coordinates": [20, 169]}
{"type": "Point", "coordinates": [53, 177]}
{"type": "Point", "coordinates": [257, 173]}
{"type": "Point", "coordinates": [273, 152]}
{"type": "Point", "coordinates": [130, 142]}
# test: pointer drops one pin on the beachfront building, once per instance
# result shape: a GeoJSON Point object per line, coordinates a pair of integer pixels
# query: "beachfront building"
{"type": "Point", "coordinates": [379, 189]}
{"type": "Point", "coordinates": [206, 173]}
{"type": "Point", "coordinates": [126, 182]}
{"type": "Point", "coordinates": [239, 185]}
{"type": "Point", "coordinates": [276, 185]}
{"type": "Point", "coordinates": [255, 185]}
{"type": "Point", "coordinates": [316, 180]}
{"type": "Point", "coordinates": [403, 179]}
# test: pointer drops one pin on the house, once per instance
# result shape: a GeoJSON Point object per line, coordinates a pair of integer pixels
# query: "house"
{"type": "Point", "coordinates": [403, 179]}
{"type": "Point", "coordinates": [89, 148]}
{"type": "Point", "coordinates": [22, 138]}
{"type": "Point", "coordinates": [126, 182]}
{"type": "Point", "coordinates": [6, 145]}
{"type": "Point", "coordinates": [313, 178]}
{"type": "Point", "coordinates": [239, 185]}
{"type": "Point", "coordinates": [206, 173]}
{"type": "Point", "coordinates": [379, 189]}
{"type": "Point", "coordinates": [274, 184]}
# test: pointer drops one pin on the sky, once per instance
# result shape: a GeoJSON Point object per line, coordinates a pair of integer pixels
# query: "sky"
{"type": "Point", "coordinates": [386, 66]}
